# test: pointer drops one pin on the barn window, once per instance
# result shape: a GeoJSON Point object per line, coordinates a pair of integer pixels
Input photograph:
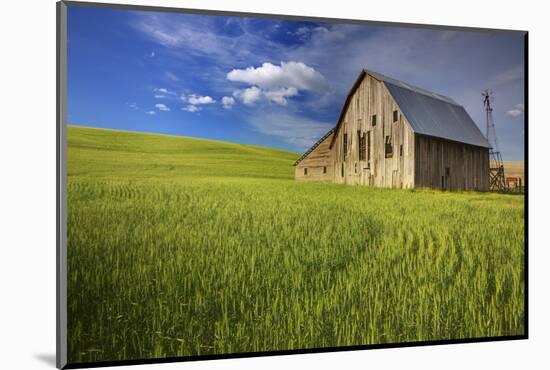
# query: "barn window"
{"type": "Point", "coordinates": [389, 147]}
{"type": "Point", "coordinates": [342, 170]}
{"type": "Point", "coordinates": [401, 150]}
{"type": "Point", "coordinates": [362, 140]}
{"type": "Point", "coordinates": [345, 146]}
{"type": "Point", "coordinates": [373, 120]}
{"type": "Point", "coordinates": [324, 169]}
{"type": "Point", "coordinates": [355, 167]}
{"type": "Point", "coordinates": [359, 144]}
{"type": "Point", "coordinates": [305, 170]}
{"type": "Point", "coordinates": [447, 171]}
{"type": "Point", "coordinates": [395, 116]}
{"type": "Point", "coordinates": [368, 146]}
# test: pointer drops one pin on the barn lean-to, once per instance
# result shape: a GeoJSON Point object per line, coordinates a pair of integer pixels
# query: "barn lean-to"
{"type": "Point", "coordinates": [394, 135]}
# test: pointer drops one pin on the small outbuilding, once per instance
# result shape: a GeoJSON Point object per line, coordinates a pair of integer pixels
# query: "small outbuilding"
{"type": "Point", "coordinates": [395, 135]}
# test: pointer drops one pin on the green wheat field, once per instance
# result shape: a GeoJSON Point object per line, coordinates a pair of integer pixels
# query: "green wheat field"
{"type": "Point", "coordinates": [180, 246]}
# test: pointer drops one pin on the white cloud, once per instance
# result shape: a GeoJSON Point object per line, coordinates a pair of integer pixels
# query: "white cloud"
{"type": "Point", "coordinates": [228, 102]}
{"type": "Point", "coordinates": [517, 111]}
{"type": "Point", "coordinates": [279, 96]}
{"type": "Point", "coordinates": [514, 113]}
{"type": "Point", "coordinates": [289, 74]}
{"type": "Point", "coordinates": [300, 131]}
{"type": "Point", "coordinates": [152, 54]}
{"type": "Point", "coordinates": [191, 108]}
{"type": "Point", "coordinates": [198, 100]}
{"type": "Point", "coordinates": [276, 83]}
{"type": "Point", "coordinates": [162, 107]}
{"type": "Point", "coordinates": [248, 96]}
{"type": "Point", "coordinates": [133, 106]}
{"type": "Point", "coordinates": [164, 91]}
{"type": "Point", "coordinates": [253, 94]}
{"type": "Point", "coordinates": [150, 112]}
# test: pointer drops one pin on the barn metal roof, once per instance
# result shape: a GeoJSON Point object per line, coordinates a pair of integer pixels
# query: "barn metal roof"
{"type": "Point", "coordinates": [435, 115]}
{"type": "Point", "coordinates": [416, 89]}
{"type": "Point", "coordinates": [428, 113]}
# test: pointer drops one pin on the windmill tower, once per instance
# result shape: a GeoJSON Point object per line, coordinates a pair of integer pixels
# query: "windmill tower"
{"type": "Point", "coordinates": [496, 167]}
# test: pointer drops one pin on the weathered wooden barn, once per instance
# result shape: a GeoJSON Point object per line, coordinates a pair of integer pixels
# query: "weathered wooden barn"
{"type": "Point", "coordinates": [391, 134]}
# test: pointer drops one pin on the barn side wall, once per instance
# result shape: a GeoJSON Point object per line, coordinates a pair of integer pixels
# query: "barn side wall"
{"type": "Point", "coordinates": [377, 169]}
{"type": "Point", "coordinates": [449, 165]}
{"type": "Point", "coordinates": [319, 164]}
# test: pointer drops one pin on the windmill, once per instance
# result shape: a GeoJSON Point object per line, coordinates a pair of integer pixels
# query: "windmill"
{"type": "Point", "coordinates": [496, 167]}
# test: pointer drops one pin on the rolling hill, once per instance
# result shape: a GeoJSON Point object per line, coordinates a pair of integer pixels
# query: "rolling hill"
{"type": "Point", "coordinates": [117, 154]}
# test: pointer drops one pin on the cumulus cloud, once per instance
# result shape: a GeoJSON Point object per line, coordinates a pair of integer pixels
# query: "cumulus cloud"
{"type": "Point", "coordinates": [276, 83]}
{"type": "Point", "coordinates": [191, 108]}
{"type": "Point", "coordinates": [248, 96]}
{"type": "Point", "coordinates": [163, 91]}
{"type": "Point", "coordinates": [253, 94]}
{"type": "Point", "coordinates": [198, 100]}
{"type": "Point", "coordinates": [162, 107]}
{"type": "Point", "coordinates": [289, 74]}
{"type": "Point", "coordinates": [516, 112]}
{"type": "Point", "coordinates": [228, 102]}
{"type": "Point", "coordinates": [150, 112]}
{"type": "Point", "coordinates": [279, 96]}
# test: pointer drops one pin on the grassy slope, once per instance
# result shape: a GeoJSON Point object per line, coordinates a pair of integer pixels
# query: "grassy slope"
{"type": "Point", "coordinates": [181, 246]}
{"type": "Point", "coordinates": [115, 154]}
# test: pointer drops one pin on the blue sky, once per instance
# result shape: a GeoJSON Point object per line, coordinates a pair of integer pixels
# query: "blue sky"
{"type": "Point", "coordinates": [273, 83]}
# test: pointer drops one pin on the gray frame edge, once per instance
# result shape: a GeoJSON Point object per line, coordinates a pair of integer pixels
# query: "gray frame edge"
{"type": "Point", "coordinates": [61, 188]}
